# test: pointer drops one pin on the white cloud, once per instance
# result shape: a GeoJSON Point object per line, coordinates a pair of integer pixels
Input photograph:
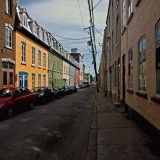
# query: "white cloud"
{"type": "Point", "coordinates": [62, 17]}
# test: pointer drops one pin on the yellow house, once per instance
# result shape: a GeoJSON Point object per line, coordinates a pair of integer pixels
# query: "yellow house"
{"type": "Point", "coordinates": [32, 48]}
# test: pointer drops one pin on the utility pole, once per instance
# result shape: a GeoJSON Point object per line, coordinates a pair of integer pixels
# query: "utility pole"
{"type": "Point", "coordinates": [93, 51]}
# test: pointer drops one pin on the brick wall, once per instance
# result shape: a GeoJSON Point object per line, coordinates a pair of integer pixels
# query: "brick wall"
{"type": "Point", "coordinates": [145, 17]}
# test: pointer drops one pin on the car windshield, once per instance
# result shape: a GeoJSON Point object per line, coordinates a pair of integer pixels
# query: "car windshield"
{"type": "Point", "coordinates": [6, 92]}
{"type": "Point", "coordinates": [37, 89]}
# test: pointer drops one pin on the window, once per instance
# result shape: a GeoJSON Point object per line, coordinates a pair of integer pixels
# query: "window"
{"type": "Point", "coordinates": [40, 34]}
{"type": "Point", "coordinates": [7, 73]}
{"type": "Point", "coordinates": [54, 66]}
{"type": "Point", "coordinates": [34, 29]}
{"type": "Point", "coordinates": [112, 42]}
{"type": "Point", "coordinates": [130, 69]}
{"type": "Point", "coordinates": [23, 52]}
{"type": "Point", "coordinates": [117, 27]}
{"type": "Point", "coordinates": [142, 64]}
{"type": "Point", "coordinates": [112, 11]}
{"type": "Point", "coordinates": [8, 6]}
{"type": "Point", "coordinates": [25, 21]}
{"type": "Point", "coordinates": [33, 80]}
{"type": "Point", "coordinates": [44, 60]}
{"type": "Point", "coordinates": [25, 91]}
{"type": "Point", "coordinates": [44, 80]}
{"type": "Point", "coordinates": [123, 15]}
{"type": "Point", "coordinates": [33, 55]}
{"type": "Point", "coordinates": [39, 58]}
{"type": "Point", "coordinates": [50, 64]}
{"type": "Point", "coordinates": [45, 37]}
{"type": "Point", "coordinates": [129, 7]}
{"type": "Point", "coordinates": [8, 37]}
{"type": "Point", "coordinates": [158, 60]}
{"type": "Point", "coordinates": [39, 80]}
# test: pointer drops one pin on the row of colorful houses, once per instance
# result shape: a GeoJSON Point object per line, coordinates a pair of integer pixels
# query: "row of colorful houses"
{"type": "Point", "coordinates": [130, 61]}
{"type": "Point", "coordinates": [31, 56]}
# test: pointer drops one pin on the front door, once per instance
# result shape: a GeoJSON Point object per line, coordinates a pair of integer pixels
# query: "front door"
{"type": "Point", "coordinates": [123, 80]}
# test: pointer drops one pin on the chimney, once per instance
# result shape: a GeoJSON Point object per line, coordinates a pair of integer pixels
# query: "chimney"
{"type": "Point", "coordinates": [74, 50]}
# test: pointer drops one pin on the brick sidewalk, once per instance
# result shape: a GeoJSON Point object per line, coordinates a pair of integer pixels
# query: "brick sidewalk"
{"type": "Point", "coordinates": [113, 136]}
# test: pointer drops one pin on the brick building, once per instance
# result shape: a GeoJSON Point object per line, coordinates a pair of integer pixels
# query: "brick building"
{"type": "Point", "coordinates": [111, 50]}
{"type": "Point", "coordinates": [140, 61]}
{"type": "Point", "coordinates": [7, 42]}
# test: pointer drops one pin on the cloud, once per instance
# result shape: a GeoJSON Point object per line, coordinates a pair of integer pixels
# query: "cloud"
{"type": "Point", "coordinates": [63, 17]}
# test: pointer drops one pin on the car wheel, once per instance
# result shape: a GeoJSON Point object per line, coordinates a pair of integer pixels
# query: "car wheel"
{"type": "Point", "coordinates": [44, 100]}
{"type": "Point", "coordinates": [31, 105]}
{"type": "Point", "coordinates": [10, 112]}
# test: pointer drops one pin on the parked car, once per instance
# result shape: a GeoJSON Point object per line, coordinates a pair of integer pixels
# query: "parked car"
{"type": "Point", "coordinates": [14, 98]}
{"type": "Point", "coordinates": [86, 84]}
{"type": "Point", "coordinates": [81, 86]}
{"type": "Point", "coordinates": [43, 94]}
{"type": "Point", "coordinates": [67, 90]}
{"type": "Point", "coordinates": [74, 89]}
{"type": "Point", "coordinates": [58, 92]}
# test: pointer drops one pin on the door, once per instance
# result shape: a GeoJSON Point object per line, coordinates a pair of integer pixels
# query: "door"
{"type": "Point", "coordinates": [110, 83]}
{"type": "Point", "coordinates": [123, 79]}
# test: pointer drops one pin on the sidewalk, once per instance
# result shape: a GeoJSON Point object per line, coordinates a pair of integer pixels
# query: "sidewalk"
{"type": "Point", "coordinates": [113, 136]}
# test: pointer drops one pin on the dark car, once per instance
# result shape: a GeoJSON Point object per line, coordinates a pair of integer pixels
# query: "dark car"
{"type": "Point", "coordinates": [67, 90]}
{"type": "Point", "coordinates": [58, 92]}
{"type": "Point", "coordinates": [14, 98]}
{"type": "Point", "coordinates": [86, 84]}
{"type": "Point", "coordinates": [74, 89]}
{"type": "Point", "coordinates": [43, 94]}
{"type": "Point", "coordinates": [81, 86]}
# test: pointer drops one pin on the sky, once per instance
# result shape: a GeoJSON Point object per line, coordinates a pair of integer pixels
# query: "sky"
{"type": "Point", "coordinates": [68, 18]}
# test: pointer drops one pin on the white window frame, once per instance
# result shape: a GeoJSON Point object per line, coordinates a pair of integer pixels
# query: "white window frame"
{"type": "Point", "coordinates": [142, 65]}
{"type": "Point", "coordinates": [25, 21]}
{"type": "Point", "coordinates": [34, 29]}
{"type": "Point", "coordinates": [44, 80]}
{"type": "Point", "coordinates": [123, 15]}
{"type": "Point", "coordinates": [50, 64]}
{"type": "Point", "coordinates": [33, 80]}
{"type": "Point", "coordinates": [39, 81]}
{"type": "Point", "coordinates": [44, 60]}
{"type": "Point", "coordinates": [129, 8]}
{"type": "Point", "coordinates": [23, 52]}
{"type": "Point", "coordinates": [33, 56]}
{"type": "Point", "coordinates": [8, 6]}
{"type": "Point", "coordinates": [39, 58]}
{"type": "Point", "coordinates": [130, 72]}
{"type": "Point", "coordinates": [8, 37]}
{"type": "Point", "coordinates": [40, 34]}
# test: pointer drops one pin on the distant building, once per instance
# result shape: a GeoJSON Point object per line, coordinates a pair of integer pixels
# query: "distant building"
{"type": "Point", "coordinates": [78, 57]}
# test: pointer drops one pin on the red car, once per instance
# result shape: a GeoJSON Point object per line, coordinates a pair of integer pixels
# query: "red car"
{"type": "Point", "coordinates": [13, 98]}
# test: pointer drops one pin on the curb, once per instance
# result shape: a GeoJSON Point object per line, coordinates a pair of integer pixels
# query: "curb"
{"type": "Point", "coordinates": [92, 144]}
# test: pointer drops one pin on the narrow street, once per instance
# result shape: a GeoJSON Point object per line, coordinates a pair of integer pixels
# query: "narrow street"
{"type": "Point", "coordinates": [58, 130]}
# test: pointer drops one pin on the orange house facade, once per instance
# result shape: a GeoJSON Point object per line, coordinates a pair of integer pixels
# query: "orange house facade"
{"type": "Point", "coordinates": [31, 67]}
{"type": "Point", "coordinates": [32, 48]}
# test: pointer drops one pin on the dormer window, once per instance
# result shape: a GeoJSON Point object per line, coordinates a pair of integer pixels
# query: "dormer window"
{"type": "Point", "coordinates": [45, 37]}
{"type": "Point", "coordinates": [57, 47]}
{"type": "Point", "coordinates": [34, 29]}
{"type": "Point", "coordinates": [40, 34]}
{"type": "Point", "coordinates": [25, 21]}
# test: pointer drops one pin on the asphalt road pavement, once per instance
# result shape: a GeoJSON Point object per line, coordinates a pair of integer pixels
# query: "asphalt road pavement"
{"type": "Point", "coordinates": [58, 130]}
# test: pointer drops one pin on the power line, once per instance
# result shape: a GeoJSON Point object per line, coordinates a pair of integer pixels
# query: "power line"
{"type": "Point", "coordinates": [98, 31]}
{"type": "Point", "coordinates": [69, 38]}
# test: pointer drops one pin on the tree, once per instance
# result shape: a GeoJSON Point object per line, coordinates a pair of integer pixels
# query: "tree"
{"type": "Point", "coordinates": [91, 78]}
